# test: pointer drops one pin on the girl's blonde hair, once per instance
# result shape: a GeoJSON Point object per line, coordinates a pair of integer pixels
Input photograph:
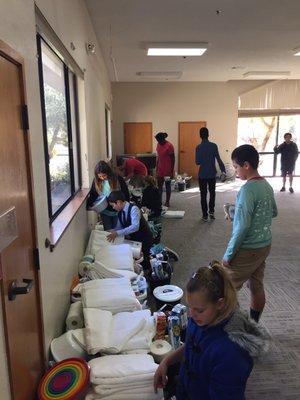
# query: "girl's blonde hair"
{"type": "Point", "coordinates": [104, 168]}
{"type": "Point", "coordinates": [215, 282]}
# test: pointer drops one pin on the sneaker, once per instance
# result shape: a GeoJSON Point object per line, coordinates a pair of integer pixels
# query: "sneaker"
{"type": "Point", "coordinates": [291, 190]}
{"type": "Point", "coordinates": [282, 189]}
{"type": "Point", "coordinates": [205, 219]}
{"type": "Point", "coordinates": [211, 216]}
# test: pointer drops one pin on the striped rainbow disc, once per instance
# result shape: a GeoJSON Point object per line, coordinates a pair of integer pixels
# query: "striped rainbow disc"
{"type": "Point", "coordinates": [65, 381]}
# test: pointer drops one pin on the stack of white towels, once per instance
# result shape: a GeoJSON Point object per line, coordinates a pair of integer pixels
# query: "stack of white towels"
{"type": "Point", "coordinates": [126, 332]}
{"type": "Point", "coordinates": [123, 377]}
{"type": "Point", "coordinates": [111, 294]}
{"type": "Point", "coordinates": [111, 260]}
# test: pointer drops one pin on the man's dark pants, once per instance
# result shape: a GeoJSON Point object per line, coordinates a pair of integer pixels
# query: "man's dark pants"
{"type": "Point", "coordinates": [211, 184]}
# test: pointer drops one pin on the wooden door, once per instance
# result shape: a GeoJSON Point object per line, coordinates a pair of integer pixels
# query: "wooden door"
{"type": "Point", "coordinates": [138, 137]}
{"type": "Point", "coordinates": [188, 140]}
{"type": "Point", "coordinates": [22, 316]}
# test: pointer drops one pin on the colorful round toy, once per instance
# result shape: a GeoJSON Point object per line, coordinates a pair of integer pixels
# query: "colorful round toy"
{"type": "Point", "coordinates": [67, 380]}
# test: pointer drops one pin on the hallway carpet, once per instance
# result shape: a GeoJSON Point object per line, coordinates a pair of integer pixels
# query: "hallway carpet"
{"type": "Point", "coordinates": [277, 375]}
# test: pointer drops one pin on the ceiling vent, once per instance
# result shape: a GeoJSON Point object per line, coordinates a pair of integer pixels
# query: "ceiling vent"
{"type": "Point", "coordinates": [160, 74]}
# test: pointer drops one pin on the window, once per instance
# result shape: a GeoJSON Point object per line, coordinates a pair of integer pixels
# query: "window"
{"type": "Point", "coordinates": [264, 132]}
{"type": "Point", "coordinates": [60, 123]}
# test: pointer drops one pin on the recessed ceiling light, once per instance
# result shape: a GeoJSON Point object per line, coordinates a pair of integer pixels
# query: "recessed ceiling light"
{"type": "Point", "coordinates": [266, 74]}
{"type": "Point", "coordinates": [297, 54]}
{"type": "Point", "coordinates": [160, 74]}
{"type": "Point", "coordinates": [176, 49]}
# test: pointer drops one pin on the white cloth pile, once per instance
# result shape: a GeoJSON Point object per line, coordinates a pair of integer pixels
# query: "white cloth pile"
{"type": "Point", "coordinates": [111, 294]}
{"type": "Point", "coordinates": [111, 260]}
{"type": "Point", "coordinates": [123, 377]}
{"type": "Point", "coordinates": [128, 332]}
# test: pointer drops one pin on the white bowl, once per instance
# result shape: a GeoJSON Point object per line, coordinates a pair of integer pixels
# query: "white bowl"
{"type": "Point", "coordinates": [168, 293]}
{"type": "Point", "coordinates": [65, 346]}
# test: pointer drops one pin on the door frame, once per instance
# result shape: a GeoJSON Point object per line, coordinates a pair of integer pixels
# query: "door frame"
{"type": "Point", "coordinates": [13, 56]}
{"type": "Point", "coordinates": [179, 142]}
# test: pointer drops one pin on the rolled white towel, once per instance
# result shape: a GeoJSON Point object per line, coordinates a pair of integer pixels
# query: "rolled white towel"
{"type": "Point", "coordinates": [74, 318]}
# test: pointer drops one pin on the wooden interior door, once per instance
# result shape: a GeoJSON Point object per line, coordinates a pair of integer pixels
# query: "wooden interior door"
{"type": "Point", "coordinates": [22, 316]}
{"type": "Point", "coordinates": [188, 140]}
{"type": "Point", "coordinates": [138, 137]}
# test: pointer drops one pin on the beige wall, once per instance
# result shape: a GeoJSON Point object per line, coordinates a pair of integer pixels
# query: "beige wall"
{"type": "Point", "coordinates": [70, 20]}
{"type": "Point", "coordinates": [166, 104]}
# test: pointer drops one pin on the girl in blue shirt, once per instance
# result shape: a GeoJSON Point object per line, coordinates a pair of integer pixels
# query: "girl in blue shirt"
{"type": "Point", "coordinates": [217, 357]}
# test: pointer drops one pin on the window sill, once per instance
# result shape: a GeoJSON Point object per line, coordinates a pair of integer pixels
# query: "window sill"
{"type": "Point", "coordinates": [63, 220]}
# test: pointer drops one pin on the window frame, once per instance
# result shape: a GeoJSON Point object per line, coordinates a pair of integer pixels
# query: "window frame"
{"type": "Point", "coordinates": [70, 135]}
{"type": "Point", "coordinates": [108, 137]}
{"type": "Point", "coordinates": [270, 113]}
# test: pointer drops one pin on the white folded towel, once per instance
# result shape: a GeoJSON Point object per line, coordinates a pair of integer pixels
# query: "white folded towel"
{"type": "Point", "coordinates": [109, 334]}
{"type": "Point", "coordinates": [112, 256]}
{"type": "Point", "coordinates": [92, 395]}
{"type": "Point", "coordinates": [141, 341]}
{"type": "Point", "coordinates": [123, 377]}
{"type": "Point", "coordinates": [79, 337]}
{"type": "Point", "coordinates": [115, 295]}
{"type": "Point", "coordinates": [121, 368]}
{"type": "Point", "coordinates": [98, 328]}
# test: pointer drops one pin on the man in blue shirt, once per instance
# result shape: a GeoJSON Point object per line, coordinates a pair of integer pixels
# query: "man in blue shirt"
{"type": "Point", "coordinates": [206, 155]}
{"type": "Point", "coordinates": [131, 224]}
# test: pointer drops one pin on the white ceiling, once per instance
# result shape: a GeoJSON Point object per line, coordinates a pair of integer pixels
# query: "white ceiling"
{"type": "Point", "coordinates": [257, 35]}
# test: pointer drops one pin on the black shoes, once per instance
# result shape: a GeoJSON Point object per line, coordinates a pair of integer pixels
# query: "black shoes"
{"type": "Point", "coordinates": [212, 216]}
{"type": "Point", "coordinates": [291, 190]}
{"type": "Point", "coordinates": [282, 189]}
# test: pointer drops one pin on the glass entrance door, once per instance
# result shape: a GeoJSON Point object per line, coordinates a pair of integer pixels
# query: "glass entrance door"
{"type": "Point", "coordinates": [264, 133]}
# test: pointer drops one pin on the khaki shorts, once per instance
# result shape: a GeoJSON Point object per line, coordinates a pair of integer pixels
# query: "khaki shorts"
{"type": "Point", "coordinates": [249, 265]}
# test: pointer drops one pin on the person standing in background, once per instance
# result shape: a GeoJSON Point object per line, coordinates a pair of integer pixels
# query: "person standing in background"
{"type": "Point", "coordinates": [164, 164]}
{"type": "Point", "coordinates": [289, 154]}
{"type": "Point", "coordinates": [131, 167]}
{"type": "Point", "coordinates": [206, 155]}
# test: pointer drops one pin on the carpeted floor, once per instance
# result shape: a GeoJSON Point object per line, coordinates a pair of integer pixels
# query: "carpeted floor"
{"type": "Point", "coordinates": [277, 376]}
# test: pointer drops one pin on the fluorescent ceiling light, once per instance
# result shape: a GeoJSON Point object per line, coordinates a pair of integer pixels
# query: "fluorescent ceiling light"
{"type": "Point", "coordinates": [160, 74]}
{"type": "Point", "coordinates": [266, 74]}
{"type": "Point", "coordinates": [296, 51]}
{"type": "Point", "coordinates": [176, 49]}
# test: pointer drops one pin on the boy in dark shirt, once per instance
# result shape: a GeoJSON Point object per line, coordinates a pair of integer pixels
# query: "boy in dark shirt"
{"type": "Point", "coordinates": [289, 154]}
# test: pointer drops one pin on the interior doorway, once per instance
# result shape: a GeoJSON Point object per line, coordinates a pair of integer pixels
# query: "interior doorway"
{"type": "Point", "coordinates": [138, 137]}
{"type": "Point", "coordinates": [18, 261]}
{"type": "Point", "coordinates": [188, 140]}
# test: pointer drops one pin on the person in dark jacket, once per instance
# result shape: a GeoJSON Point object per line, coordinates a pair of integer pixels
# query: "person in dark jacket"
{"type": "Point", "coordinates": [151, 197]}
{"type": "Point", "coordinates": [104, 182]}
{"type": "Point", "coordinates": [221, 341]}
{"type": "Point", "coordinates": [206, 155]}
{"type": "Point", "coordinates": [131, 224]}
{"type": "Point", "coordinates": [289, 154]}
